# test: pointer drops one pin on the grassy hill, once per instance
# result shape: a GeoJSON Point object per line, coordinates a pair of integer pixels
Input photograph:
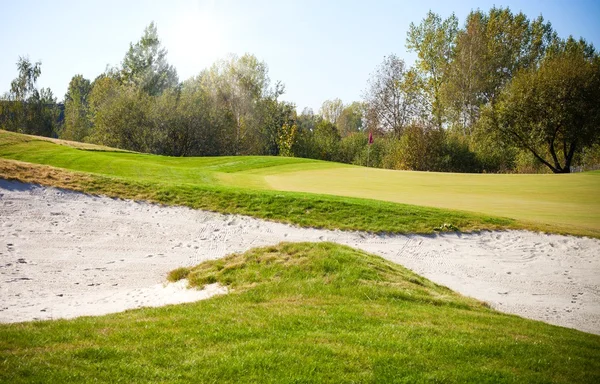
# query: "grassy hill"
{"type": "Point", "coordinates": [316, 193]}
{"type": "Point", "coordinates": [303, 313]}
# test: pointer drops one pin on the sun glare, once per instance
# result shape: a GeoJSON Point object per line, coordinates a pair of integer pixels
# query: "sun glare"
{"type": "Point", "coordinates": [195, 38]}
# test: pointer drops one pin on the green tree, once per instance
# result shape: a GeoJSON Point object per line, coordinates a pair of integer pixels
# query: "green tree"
{"type": "Point", "coordinates": [433, 40]}
{"type": "Point", "coordinates": [77, 123]}
{"type": "Point", "coordinates": [145, 65]}
{"type": "Point", "coordinates": [350, 119]}
{"type": "Point", "coordinates": [421, 148]}
{"type": "Point", "coordinates": [554, 110]}
{"type": "Point", "coordinates": [121, 116]}
{"type": "Point", "coordinates": [306, 124]}
{"type": "Point", "coordinates": [326, 139]}
{"type": "Point", "coordinates": [273, 116]}
{"type": "Point", "coordinates": [239, 85]}
{"type": "Point", "coordinates": [489, 51]}
{"type": "Point", "coordinates": [24, 85]}
{"type": "Point", "coordinates": [26, 109]}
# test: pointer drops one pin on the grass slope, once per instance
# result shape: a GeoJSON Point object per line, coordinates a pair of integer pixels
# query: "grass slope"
{"type": "Point", "coordinates": [199, 183]}
{"type": "Point", "coordinates": [303, 313]}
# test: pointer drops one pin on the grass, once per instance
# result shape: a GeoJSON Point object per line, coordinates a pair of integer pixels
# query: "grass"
{"type": "Point", "coordinates": [198, 183]}
{"type": "Point", "coordinates": [303, 313]}
{"type": "Point", "coordinates": [568, 201]}
{"type": "Point", "coordinates": [551, 203]}
{"type": "Point", "coordinates": [296, 312]}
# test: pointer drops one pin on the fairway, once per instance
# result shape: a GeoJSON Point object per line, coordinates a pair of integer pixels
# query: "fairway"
{"type": "Point", "coordinates": [570, 200]}
{"type": "Point", "coordinates": [553, 203]}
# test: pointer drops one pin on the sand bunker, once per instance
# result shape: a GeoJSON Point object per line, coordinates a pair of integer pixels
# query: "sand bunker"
{"type": "Point", "coordinates": [65, 254]}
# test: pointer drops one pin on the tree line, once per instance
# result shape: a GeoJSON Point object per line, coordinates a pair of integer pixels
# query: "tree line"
{"type": "Point", "coordinates": [502, 93]}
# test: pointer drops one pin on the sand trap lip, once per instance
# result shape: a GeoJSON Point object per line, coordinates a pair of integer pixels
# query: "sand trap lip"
{"type": "Point", "coordinates": [65, 254]}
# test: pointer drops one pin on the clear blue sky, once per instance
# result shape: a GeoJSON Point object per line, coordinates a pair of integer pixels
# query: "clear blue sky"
{"type": "Point", "coordinates": [319, 49]}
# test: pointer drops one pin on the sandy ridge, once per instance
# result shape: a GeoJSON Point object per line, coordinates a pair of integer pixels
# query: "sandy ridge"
{"type": "Point", "coordinates": [65, 254]}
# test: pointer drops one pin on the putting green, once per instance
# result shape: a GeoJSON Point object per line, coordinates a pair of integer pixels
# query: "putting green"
{"type": "Point", "coordinates": [560, 200]}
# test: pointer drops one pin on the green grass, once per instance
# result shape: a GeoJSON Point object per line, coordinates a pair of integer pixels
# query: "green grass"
{"type": "Point", "coordinates": [303, 313]}
{"type": "Point", "coordinates": [222, 184]}
{"type": "Point", "coordinates": [552, 203]}
{"type": "Point", "coordinates": [565, 201]}
{"type": "Point", "coordinates": [296, 312]}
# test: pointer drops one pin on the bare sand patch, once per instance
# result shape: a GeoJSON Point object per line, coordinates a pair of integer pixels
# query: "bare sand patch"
{"type": "Point", "coordinates": [65, 254]}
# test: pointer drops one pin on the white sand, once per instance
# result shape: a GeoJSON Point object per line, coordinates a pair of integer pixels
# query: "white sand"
{"type": "Point", "coordinates": [65, 254]}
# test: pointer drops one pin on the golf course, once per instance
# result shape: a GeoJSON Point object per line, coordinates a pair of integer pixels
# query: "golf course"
{"type": "Point", "coordinates": [306, 312]}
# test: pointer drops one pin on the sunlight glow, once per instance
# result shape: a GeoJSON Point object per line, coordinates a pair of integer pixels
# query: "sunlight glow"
{"type": "Point", "coordinates": [196, 37]}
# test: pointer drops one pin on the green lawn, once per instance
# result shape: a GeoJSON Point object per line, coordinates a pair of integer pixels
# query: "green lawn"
{"type": "Point", "coordinates": [554, 203]}
{"type": "Point", "coordinates": [223, 184]}
{"type": "Point", "coordinates": [303, 313]}
{"type": "Point", "coordinates": [567, 200]}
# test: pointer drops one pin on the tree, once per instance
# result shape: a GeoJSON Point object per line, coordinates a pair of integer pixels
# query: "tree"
{"type": "Point", "coordinates": [466, 73]}
{"type": "Point", "coordinates": [286, 139]}
{"type": "Point", "coordinates": [326, 140]}
{"type": "Point", "coordinates": [77, 122]}
{"type": "Point", "coordinates": [273, 116]}
{"type": "Point", "coordinates": [145, 65]}
{"type": "Point", "coordinates": [239, 85]}
{"type": "Point", "coordinates": [554, 110]}
{"type": "Point", "coordinates": [121, 116]}
{"type": "Point", "coordinates": [331, 110]}
{"type": "Point", "coordinates": [24, 108]}
{"type": "Point", "coordinates": [392, 96]}
{"type": "Point", "coordinates": [489, 50]}
{"type": "Point", "coordinates": [350, 119]}
{"type": "Point", "coordinates": [304, 145]}
{"type": "Point", "coordinates": [23, 87]}
{"type": "Point", "coordinates": [433, 40]}
{"type": "Point", "coordinates": [421, 148]}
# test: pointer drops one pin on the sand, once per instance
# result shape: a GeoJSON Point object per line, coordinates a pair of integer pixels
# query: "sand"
{"type": "Point", "coordinates": [65, 254]}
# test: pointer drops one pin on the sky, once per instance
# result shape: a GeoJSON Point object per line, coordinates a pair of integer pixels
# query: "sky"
{"type": "Point", "coordinates": [319, 50]}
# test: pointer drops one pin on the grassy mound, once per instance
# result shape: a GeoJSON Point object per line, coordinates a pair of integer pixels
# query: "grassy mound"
{"type": "Point", "coordinates": [303, 313]}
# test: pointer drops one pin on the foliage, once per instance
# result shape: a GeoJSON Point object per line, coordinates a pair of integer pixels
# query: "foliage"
{"type": "Point", "coordinates": [489, 51]}
{"type": "Point", "coordinates": [392, 97]}
{"type": "Point", "coordinates": [590, 158]}
{"type": "Point", "coordinates": [77, 125]}
{"type": "Point", "coordinates": [331, 110]}
{"type": "Point", "coordinates": [23, 87]}
{"type": "Point", "coordinates": [350, 120]}
{"type": "Point", "coordinates": [553, 111]}
{"type": "Point", "coordinates": [421, 148]}
{"type": "Point", "coordinates": [434, 41]}
{"type": "Point", "coordinates": [326, 140]}
{"type": "Point", "coordinates": [122, 117]}
{"type": "Point", "coordinates": [145, 66]}
{"type": "Point", "coordinates": [239, 86]}
{"type": "Point", "coordinates": [287, 138]}
{"type": "Point", "coordinates": [26, 109]}
{"type": "Point", "coordinates": [351, 147]}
